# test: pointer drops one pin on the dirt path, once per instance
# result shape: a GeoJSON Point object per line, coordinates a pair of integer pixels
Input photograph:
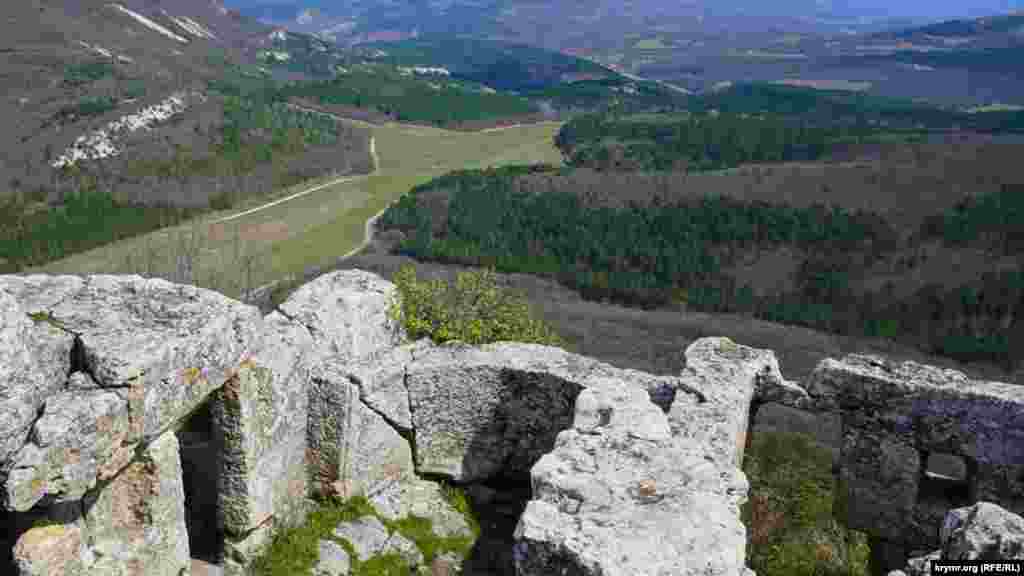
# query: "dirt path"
{"type": "Point", "coordinates": [376, 167]}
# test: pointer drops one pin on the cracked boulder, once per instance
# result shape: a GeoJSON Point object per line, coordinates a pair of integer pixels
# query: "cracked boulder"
{"type": "Point", "coordinates": [629, 489]}
{"type": "Point", "coordinates": [352, 448]}
{"type": "Point", "coordinates": [983, 531]}
{"type": "Point", "coordinates": [381, 380]}
{"type": "Point", "coordinates": [35, 359]}
{"type": "Point", "coordinates": [78, 441]}
{"type": "Point", "coordinates": [152, 349]}
{"type": "Point", "coordinates": [262, 418]}
{"type": "Point", "coordinates": [135, 524]}
{"type": "Point", "coordinates": [346, 313]}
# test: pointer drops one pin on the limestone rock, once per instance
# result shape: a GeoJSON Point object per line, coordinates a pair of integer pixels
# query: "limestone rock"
{"type": "Point", "coordinates": [352, 449]}
{"type": "Point", "coordinates": [626, 506]}
{"type": "Point", "coordinates": [168, 345]}
{"type": "Point", "coordinates": [136, 524]}
{"type": "Point", "coordinates": [983, 531]}
{"type": "Point", "coordinates": [723, 377]}
{"type": "Point", "coordinates": [631, 490]}
{"type": "Point", "coordinates": [78, 440]}
{"type": "Point", "coordinates": [346, 313]}
{"type": "Point", "coordinates": [262, 417]}
{"type": "Point", "coordinates": [897, 414]}
{"type": "Point", "coordinates": [35, 358]}
{"type": "Point", "coordinates": [381, 380]}
{"type": "Point", "coordinates": [333, 560]}
{"type": "Point", "coordinates": [367, 535]}
{"type": "Point", "coordinates": [498, 407]}
{"type": "Point", "coordinates": [922, 565]}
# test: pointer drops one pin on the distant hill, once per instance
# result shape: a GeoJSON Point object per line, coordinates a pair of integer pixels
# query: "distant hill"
{"type": "Point", "coordinates": [122, 117]}
{"type": "Point", "coordinates": [70, 66]}
{"type": "Point", "coordinates": [1010, 25]}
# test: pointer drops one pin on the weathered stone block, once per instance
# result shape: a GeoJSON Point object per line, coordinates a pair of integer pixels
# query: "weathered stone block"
{"type": "Point", "coordinates": [480, 410]}
{"type": "Point", "coordinates": [35, 358]}
{"type": "Point", "coordinates": [346, 313]}
{"type": "Point", "coordinates": [881, 475]}
{"type": "Point", "coordinates": [78, 440]}
{"type": "Point", "coordinates": [136, 524]}
{"type": "Point", "coordinates": [352, 449]}
{"type": "Point", "coordinates": [262, 416]}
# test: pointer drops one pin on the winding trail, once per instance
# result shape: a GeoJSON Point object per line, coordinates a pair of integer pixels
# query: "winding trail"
{"type": "Point", "coordinates": [370, 226]}
{"type": "Point", "coordinates": [376, 168]}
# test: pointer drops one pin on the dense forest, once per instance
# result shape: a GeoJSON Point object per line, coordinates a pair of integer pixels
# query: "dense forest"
{"type": "Point", "coordinates": [758, 123]}
{"type": "Point", "coordinates": [658, 253]}
{"type": "Point", "coordinates": [691, 142]}
{"type": "Point", "coordinates": [830, 108]}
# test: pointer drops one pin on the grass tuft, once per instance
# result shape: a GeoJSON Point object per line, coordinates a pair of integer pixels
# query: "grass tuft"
{"type": "Point", "coordinates": [793, 514]}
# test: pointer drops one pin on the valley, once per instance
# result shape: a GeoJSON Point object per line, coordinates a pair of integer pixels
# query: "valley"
{"type": "Point", "coordinates": [794, 178]}
{"type": "Point", "coordinates": [311, 229]}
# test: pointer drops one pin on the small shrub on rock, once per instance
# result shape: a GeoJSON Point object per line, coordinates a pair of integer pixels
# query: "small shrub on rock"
{"type": "Point", "coordinates": [474, 310]}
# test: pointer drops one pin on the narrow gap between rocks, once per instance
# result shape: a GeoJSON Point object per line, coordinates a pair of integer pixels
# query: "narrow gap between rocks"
{"type": "Point", "coordinates": [200, 464]}
{"type": "Point", "coordinates": [497, 503]}
{"type": "Point", "coordinates": [8, 536]}
{"type": "Point", "coordinates": [14, 524]}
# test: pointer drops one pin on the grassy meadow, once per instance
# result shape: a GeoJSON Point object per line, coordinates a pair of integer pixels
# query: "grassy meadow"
{"type": "Point", "coordinates": [312, 229]}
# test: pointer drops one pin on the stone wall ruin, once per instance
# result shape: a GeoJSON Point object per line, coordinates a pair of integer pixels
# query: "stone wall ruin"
{"type": "Point", "coordinates": [918, 441]}
{"type": "Point", "coordinates": [123, 400]}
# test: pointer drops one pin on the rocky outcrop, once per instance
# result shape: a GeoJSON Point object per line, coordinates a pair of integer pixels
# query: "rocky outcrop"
{"type": "Point", "coordinates": [261, 417]}
{"type": "Point", "coordinates": [897, 419]}
{"type": "Point", "coordinates": [982, 532]}
{"type": "Point", "coordinates": [631, 473]}
{"type": "Point", "coordinates": [99, 372]}
{"type": "Point", "coordinates": [630, 489]}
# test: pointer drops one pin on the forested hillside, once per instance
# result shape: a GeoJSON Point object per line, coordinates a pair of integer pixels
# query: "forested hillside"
{"type": "Point", "coordinates": [760, 123]}
{"type": "Point", "coordinates": [818, 259]}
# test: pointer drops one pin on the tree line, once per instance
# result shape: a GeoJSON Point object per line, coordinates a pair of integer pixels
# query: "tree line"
{"type": "Point", "coordinates": [665, 253]}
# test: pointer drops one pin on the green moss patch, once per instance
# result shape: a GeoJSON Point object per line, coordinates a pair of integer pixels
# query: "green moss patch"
{"type": "Point", "coordinates": [295, 550]}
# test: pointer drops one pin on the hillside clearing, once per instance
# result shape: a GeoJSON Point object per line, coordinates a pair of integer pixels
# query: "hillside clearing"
{"type": "Point", "coordinates": [309, 229]}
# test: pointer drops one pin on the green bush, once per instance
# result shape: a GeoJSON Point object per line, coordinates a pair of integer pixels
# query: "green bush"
{"type": "Point", "coordinates": [473, 310]}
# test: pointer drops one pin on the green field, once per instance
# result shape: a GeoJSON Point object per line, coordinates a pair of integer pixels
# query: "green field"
{"type": "Point", "coordinates": [315, 228]}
